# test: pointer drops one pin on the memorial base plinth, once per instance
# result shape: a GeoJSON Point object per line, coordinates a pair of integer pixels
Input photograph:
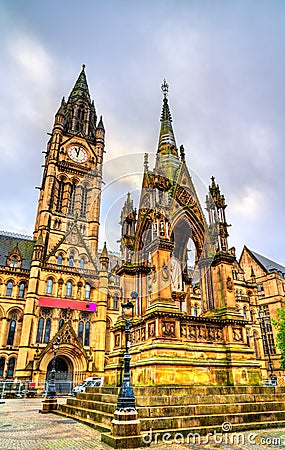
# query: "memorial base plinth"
{"type": "Point", "coordinates": [49, 405]}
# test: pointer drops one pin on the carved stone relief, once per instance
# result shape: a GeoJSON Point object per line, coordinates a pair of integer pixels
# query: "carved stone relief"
{"type": "Point", "coordinates": [237, 334]}
{"type": "Point", "coordinates": [201, 333]}
{"type": "Point", "coordinates": [151, 329]}
{"type": "Point", "coordinates": [168, 329]}
{"type": "Point", "coordinates": [117, 340]}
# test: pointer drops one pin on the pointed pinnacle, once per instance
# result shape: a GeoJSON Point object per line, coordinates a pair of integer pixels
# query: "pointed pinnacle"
{"type": "Point", "coordinates": [80, 89]}
{"type": "Point", "coordinates": [104, 253]}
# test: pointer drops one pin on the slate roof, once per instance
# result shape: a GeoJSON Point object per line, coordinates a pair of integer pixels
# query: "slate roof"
{"type": "Point", "coordinates": [8, 242]}
{"type": "Point", "coordinates": [268, 264]}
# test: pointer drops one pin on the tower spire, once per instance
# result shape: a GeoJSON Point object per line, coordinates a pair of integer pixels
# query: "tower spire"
{"type": "Point", "coordinates": [80, 89]}
{"type": "Point", "coordinates": [166, 142]}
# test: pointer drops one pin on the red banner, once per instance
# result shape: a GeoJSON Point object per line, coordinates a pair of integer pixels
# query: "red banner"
{"type": "Point", "coordinates": [80, 305]}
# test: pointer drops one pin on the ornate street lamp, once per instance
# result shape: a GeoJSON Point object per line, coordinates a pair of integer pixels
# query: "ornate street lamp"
{"type": "Point", "coordinates": [126, 398]}
{"type": "Point", "coordinates": [51, 392]}
{"type": "Point", "coordinates": [263, 327]}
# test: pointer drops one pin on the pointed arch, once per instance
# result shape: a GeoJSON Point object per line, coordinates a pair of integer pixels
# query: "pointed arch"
{"type": "Point", "coordinates": [9, 288]}
{"type": "Point", "coordinates": [11, 367]}
{"type": "Point", "coordinates": [2, 366]}
{"type": "Point", "coordinates": [61, 183]}
{"type": "Point", "coordinates": [84, 196]}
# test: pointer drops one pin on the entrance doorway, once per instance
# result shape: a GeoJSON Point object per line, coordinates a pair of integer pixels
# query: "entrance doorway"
{"type": "Point", "coordinates": [63, 374]}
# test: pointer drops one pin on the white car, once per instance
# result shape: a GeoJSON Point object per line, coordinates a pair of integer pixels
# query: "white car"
{"type": "Point", "coordinates": [90, 381]}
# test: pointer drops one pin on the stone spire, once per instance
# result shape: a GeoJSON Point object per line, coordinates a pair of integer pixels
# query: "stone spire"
{"type": "Point", "coordinates": [80, 89]}
{"type": "Point", "coordinates": [216, 206]}
{"type": "Point", "coordinates": [78, 114]}
{"type": "Point", "coordinates": [166, 142]}
{"type": "Point", "coordinates": [100, 124]}
{"type": "Point", "coordinates": [104, 258]}
{"type": "Point", "coordinates": [104, 253]}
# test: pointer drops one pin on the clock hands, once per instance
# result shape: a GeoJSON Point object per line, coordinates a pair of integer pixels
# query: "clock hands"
{"type": "Point", "coordinates": [77, 153]}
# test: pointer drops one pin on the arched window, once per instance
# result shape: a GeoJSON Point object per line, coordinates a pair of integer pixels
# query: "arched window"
{"type": "Point", "coordinates": [87, 290]}
{"type": "Point", "coordinates": [82, 263]}
{"type": "Point", "coordinates": [60, 195]}
{"type": "Point", "coordinates": [2, 367]}
{"type": "Point", "coordinates": [72, 199]}
{"type": "Point", "coordinates": [49, 286]}
{"type": "Point", "coordinates": [21, 290]}
{"type": "Point", "coordinates": [11, 334]}
{"type": "Point", "coordinates": [84, 329]}
{"type": "Point", "coordinates": [47, 331]}
{"type": "Point", "coordinates": [80, 119]}
{"type": "Point", "coordinates": [195, 310]}
{"type": "Point", "coordinates": [87, 334]}
{"type": "Point", "coordinates": [83, 202]}
{"type": "Point", "coordinates": [80, 331]}
{"type": "Point", "coordinates": [59, 260]}
{"type": "Point", "coordinates": [44, 326]}
{"type": "Point", "coordinates": [244, 312]}
{"type": "Point", "coordinates": [80, 113]}
{"type": "Point", "coordinates": [71, 259]}
{"type": "Point", "coordinates": [11, 367]}
{"type": "Point", "coordinates": [115, 302]}
{"type": "Point", "coordinates": [68, 291]}
{"type": "Point", "coordinates": [14, 262]}
{"type": "Point", "coordinates": [61, 323]}
{"type": "Point", "coordinates": [40, 330]}
{"type": "Point", "coordinates": [256, 345]}
{"type": "Point", "coordinates": [9, 288]}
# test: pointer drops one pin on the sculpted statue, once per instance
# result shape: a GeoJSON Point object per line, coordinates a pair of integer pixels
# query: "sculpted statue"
{"type": "Point", "coordinates": [176, 274]}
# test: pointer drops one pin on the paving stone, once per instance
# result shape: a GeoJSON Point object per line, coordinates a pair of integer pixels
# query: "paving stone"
{"type": "Point", "coordinates": [23, 428]}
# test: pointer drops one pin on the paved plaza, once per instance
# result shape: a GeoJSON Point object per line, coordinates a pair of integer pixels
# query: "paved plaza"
{"type": "Point", "coordinates": [23, 428]}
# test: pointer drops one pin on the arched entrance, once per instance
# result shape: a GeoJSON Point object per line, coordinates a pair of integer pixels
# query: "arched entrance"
{"type": "Point", "coordinates": [63, 374]}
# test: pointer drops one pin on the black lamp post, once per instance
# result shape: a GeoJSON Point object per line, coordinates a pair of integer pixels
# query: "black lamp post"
{"type": "Point", "coordinates": [51, 391]}
{"type": "Point", "coordinates": [263, 319]}
{"type": "Point", "coordinates": [126, 398]}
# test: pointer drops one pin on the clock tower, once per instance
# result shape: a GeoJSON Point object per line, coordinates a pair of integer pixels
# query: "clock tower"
{"type": "Point", "coordinates": [67, 289]}
{"type": "Point", "coordinates": [72, 178]}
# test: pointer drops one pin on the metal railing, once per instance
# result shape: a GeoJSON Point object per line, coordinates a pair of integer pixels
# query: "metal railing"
{"type": "Point", "coordinates": [26, 389]}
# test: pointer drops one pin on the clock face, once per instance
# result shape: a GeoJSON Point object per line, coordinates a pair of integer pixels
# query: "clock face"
{"type": "Point", "coordinates": [77, 153]}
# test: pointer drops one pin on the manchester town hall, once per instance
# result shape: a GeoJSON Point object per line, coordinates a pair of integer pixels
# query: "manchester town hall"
{"type": "Point", "coordinates": [207, 321]}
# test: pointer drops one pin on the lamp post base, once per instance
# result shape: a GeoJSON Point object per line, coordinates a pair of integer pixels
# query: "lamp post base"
{"type": "Point", "coordinates": [126, 423]}
{"type": "Point", "coordinates": [49, 405]}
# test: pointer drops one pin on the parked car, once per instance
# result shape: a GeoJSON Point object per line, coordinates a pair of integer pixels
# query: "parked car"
{"type": "Point", "coordinates": [90, 381]}
{"type": "Point", "coordinates": [271, 382]}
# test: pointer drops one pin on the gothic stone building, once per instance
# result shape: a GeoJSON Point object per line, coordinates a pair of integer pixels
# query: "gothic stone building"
{"type": "Point", "coordinates": [193, 324]}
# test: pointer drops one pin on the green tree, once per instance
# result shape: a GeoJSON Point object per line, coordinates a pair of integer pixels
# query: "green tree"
{"type": "Point", "coordinates": [279, 322]}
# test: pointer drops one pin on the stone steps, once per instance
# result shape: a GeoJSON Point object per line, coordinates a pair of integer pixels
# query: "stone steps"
{"type": "Point", "coordinates": [176, 400]}
{"type": "Point", "coordinates": [100, 421]}
{"type": "Point", "coordinates": [102, 417]}
{"type": "Point", "coordinates": [193, 421]}
{"type": "Point", "coordinates": [178, 410]}
{"type": "Point", "coordinates": [93, 405]}
{"type": "Point", "coordinates": [200, 410]}
{"type": "Point", "coordinates": [181, 410]}
{"type": "Point", "coordinates": [193, 435]}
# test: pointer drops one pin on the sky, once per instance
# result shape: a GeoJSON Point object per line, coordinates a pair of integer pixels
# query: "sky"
{"type": "Point", "coordinates": [225, 66]}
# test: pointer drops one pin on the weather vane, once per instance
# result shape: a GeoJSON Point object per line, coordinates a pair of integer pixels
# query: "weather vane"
{"type": "Point", "coordinates": [164, 88]}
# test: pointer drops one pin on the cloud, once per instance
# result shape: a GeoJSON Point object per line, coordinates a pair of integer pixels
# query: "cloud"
{"type": "Point", "coordinates": [33, 61]}
{"type": "Point", "coordinates": [33, 79]}
{"type": "Point", "coordinates": [225, 69]}
{"type": "Point", "coordinates": [249, 203]}
{"type": "Point", "coordinates": [26, 101]}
